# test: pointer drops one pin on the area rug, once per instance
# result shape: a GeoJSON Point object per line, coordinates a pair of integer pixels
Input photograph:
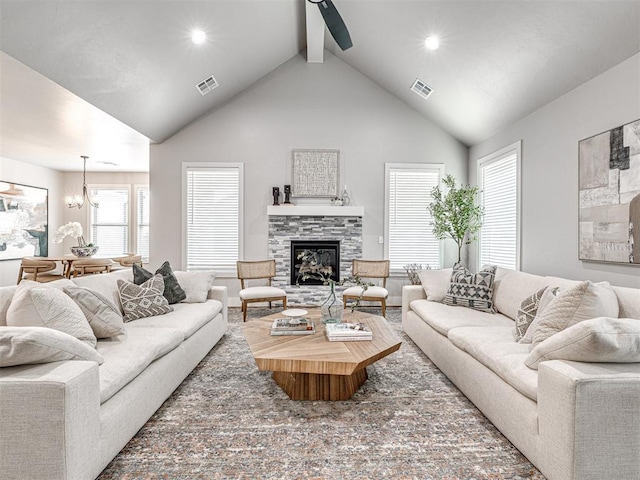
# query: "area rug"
{"type": "Point", "coordinates": [228, 420]}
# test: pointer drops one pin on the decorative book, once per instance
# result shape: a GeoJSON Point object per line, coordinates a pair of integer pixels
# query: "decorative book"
{"type": "Point", "coordinates": [292, 326]}
{"type": "Point", "coordinates": [348, 332]}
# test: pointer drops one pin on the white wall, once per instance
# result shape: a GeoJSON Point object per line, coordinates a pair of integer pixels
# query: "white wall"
{"type": "Point", "coordinates": [298, 105]}
{"type": "Point", "coordinates": [33, 175]}
{"type": "Point", "coordinates": [550, 139]}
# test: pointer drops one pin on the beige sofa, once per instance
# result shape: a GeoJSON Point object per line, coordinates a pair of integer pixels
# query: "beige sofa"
{"type": "Point", "coordinates": [572, 420]}
{"type": "Point", "coordinates": [69, 419]}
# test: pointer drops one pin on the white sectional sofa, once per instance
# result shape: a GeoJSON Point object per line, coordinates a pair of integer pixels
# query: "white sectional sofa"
{"type": "Point", "coordinates": [69, 419]}
{"type": "Point", "coordinates": [572, 420]}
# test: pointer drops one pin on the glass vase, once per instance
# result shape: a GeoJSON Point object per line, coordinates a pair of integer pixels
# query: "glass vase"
{"type": "Point", "coordinates": [331, 309]}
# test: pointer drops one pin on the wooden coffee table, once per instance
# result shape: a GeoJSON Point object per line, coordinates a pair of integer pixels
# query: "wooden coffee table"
{"type": "Point", "coordinates": [310, 367]}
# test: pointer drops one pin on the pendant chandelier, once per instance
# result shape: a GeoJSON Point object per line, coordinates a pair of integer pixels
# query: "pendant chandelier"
{"type": "Point", "coordinates": [79, 200]}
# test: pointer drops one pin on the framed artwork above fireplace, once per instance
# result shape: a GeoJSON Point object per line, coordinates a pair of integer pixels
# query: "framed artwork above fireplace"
{"type": "Point", "coordinates": [315, 173]}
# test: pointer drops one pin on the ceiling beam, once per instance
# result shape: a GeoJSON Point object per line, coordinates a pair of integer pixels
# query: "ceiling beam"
{"type": "Point", "coordinates": [315, 33]}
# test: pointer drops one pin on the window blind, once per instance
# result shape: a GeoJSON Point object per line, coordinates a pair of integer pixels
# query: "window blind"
{"type": "Point", "coordinates": [213, 218]}
{"type": "Point", "coordinates": [409, 234]}
{"type": "Point", "coordinates": [142, 229]}
{"type": "Point", "coordinates": [109, 224]}
{"type": "Point", "coordinates": [499, 197]}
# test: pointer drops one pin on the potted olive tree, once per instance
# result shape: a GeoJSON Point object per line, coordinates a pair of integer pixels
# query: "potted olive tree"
{"type": "Point", "coordinates": [456, 214]}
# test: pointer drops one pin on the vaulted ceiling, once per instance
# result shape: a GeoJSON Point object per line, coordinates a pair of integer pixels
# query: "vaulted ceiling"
{"type": "Point", "coordinates": [104, 78]}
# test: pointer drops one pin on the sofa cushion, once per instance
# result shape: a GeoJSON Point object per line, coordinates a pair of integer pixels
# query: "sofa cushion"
{"type": "Point", "coordinates": [495, 349]}
{"type": "Point", "coordinates": [527, 313]}
{"type": "Point", "coordinates": [196, 285]}
{"type": "Point", "coordinates": [443, 318]}
{"type": "Point", "coordinates": [548, 294]}
{"type": "Point", "coordinates": [103, 316]}
{"type": "Point", "coordinates": [126, 356]}
{"type": "Point", "coordinates": [512, 287]}
{"type": "Point", "coordinates": [6, 294]}
{"type": "Point", "coordinates": [606, 340]}
{"type": "Point", "coordinates": [38, 305]}
{"type": "Point", "coordinates": [584, 301]}
{"type": "Point", "coordinates": [471, 290]}
{"type": "Point", "coordinates": [628, 300]}
{"type": "Point", "coordinates": [29, 345]}
{"type": "Point", "coordinates": [106, 284]}
{"type": "Point", "coordinates": [435, 283]}
{"type": "Point", "coordinates": [146, 300]}
{"type": "Point", "coordinates": [186, 318]}
{"type": "Point", "coordinates": [173, 292]}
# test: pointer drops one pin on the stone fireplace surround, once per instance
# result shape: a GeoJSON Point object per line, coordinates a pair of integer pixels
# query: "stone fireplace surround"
{"type": "Point", "coordinates": [287, 223]}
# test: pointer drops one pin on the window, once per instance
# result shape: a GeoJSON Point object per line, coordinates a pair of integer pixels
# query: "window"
{"type": "Point", "coordinates": [212, 216]}
{"type": "Point", "coordinates": [408, 234]}
{"type": "Point", "coordinates": [499, 180]}
{"type": "Point", "coordinates": [111, 226]}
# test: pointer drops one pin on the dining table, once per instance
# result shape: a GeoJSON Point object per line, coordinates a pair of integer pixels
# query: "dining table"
{"type": "Point", "coordinates": [68, 259]}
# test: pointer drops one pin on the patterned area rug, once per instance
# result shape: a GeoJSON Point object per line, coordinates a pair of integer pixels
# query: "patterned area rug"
{"type": "Point", "coordinates": [230, 420]}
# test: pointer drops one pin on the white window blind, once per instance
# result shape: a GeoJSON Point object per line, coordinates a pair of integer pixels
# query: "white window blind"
{"type": "Point", "coordinates": [142, 216]}
{"type": "Point", "coordinates": [498, 177]}
{"type": "Point", "coordinates": [213, 217]}
{"type": "Point", "coordinates": [109, 223]}
{"type": "Point", "coordinates": [409, 235]}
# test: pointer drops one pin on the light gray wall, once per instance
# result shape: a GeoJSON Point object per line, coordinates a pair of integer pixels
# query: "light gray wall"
{"type": "Point", "coordinates": [298, 105]}
{"type": "Point", "coordinates": [550, 139]}
{"type": "Point", "coordinates": [33, 175]}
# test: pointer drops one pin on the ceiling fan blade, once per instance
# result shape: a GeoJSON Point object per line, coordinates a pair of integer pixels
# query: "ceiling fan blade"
{"type": "Point", "coordinates": [335, 24]}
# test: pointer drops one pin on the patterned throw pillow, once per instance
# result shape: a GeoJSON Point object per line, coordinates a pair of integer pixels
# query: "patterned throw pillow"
{"type": "Point", "coordinates": [173, 292]}
{"type": "Point", "coordinates": [146, 300]}
{"type": "Point", "coordinates": [527, 312]}
{"type": "Point", "coordinates": [471, 290]}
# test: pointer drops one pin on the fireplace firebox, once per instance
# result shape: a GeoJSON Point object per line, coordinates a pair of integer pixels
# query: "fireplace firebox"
{"type": "Point", "coordinates": [315, 258]}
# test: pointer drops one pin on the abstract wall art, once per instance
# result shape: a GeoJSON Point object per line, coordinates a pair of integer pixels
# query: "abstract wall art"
{"type": "Point", "coordinates": [23, 221]}
{"type": "Point", "coordinates": [315, 173]}
{"type": "Point", "coordinates": [609, 189]}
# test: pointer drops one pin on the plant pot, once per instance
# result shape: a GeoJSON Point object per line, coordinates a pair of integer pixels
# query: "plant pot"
{"type": "Point", "coordinates": [84, 251]}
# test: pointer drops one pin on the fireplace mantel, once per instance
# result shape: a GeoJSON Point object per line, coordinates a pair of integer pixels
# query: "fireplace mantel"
{"type": "Point", "coordinates": [314, 211]}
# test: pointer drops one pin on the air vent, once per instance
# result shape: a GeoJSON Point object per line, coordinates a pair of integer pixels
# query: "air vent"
{"type": "Point", "coordinates": [207, 85]}
{"type": "Point", "coordinates": [421, 88]}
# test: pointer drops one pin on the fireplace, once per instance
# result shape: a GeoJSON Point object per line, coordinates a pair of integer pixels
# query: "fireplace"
{"type": "Point", "coordinates": [316, 258]}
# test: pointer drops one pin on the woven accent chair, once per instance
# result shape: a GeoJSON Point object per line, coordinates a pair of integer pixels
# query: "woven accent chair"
{"type": "Point", "coordinates": [91, 265]}
{"type": "Point", "coordinates": [259, 270]}
{"type": "Point", "coordinates": [33, 268]}
{"type": "Point", "coordinates": [369, 269]}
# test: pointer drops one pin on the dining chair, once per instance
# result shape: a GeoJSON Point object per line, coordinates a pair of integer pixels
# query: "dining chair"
{"type": "Point", "coordinates": [90, 266]}
{"type": "Point", "coordinates": [263, 270]}
{"type": "Point", "coordinates": [127, 261]}
{"type": "Point", "coordinates": [38, 270]}
{"type": "Point", "coordinates": [369, 269]}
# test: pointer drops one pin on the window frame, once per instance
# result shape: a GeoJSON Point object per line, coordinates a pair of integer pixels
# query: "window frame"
{"type": "Point", "coordinates": [136, 221]}
{"type": "Point", "coordinates": [109, 186]}
{"type": "Point", "coordinates": [213, 165]}
{"type": "Point", "coordinates": [496, 156]}
{"type": "Point", "coordinates": [388, 168]}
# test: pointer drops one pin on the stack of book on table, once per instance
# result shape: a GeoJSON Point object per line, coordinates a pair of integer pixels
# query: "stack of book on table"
{"type": "Point", "coordinates": [292, 326]}
{"type": "Point", "coordinates": [348, 332]}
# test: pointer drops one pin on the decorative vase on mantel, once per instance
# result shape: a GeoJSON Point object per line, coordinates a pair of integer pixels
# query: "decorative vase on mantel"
{"type": "Point", "coordinates": [331, 309]}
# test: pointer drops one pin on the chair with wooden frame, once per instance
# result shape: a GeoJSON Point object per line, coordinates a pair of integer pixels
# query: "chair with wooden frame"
{"type": "Point", "coordinates": [127, 261]}
{"type": "Point", "coordinates": [91, 266]}
{"type": "Point", "coordinates": [38, 270]}
{"type": "Point", "coordinates": [369, 269]}
{"type": "Point", "coordinates": [258, 270]}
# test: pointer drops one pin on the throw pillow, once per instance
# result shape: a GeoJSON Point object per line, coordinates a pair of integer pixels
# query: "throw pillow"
{"type": "Point", "coordinates": [527, 312]}
{"type": "Point", "coordinates": [37, 305]}
{"type": "Point", "coordinates": [28, 345]}
{"type": "Point", "coordinates": [609, 340]}
{"type": "Point", "coordinates": [104, 317]}
{"type": "Point", "coordinates": [471, 290]}
{"type": "Point", "coordinates": [435, 283]}
{"type": "Point", "coordinates": [584, 301]}
{"type": "Point", "coordinates": [548, 295]}
{"type": "Point", "coordinates": [196, 285]}
{"type": "Point", "coordinates": [173, 292]}
{"type": "Point", "coordinates": [146, 300]}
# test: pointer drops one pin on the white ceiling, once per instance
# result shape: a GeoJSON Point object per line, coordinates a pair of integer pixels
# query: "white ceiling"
{"type": "Point", "coordinates": [498, 61]}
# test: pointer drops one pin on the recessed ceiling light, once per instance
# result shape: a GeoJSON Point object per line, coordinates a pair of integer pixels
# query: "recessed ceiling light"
{"type": "Point", "coordinates": [431, 43]}
{"type": "Point", "coordinates": [198, 36]}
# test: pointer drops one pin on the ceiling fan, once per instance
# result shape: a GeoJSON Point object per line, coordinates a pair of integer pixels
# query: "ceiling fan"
{"type": "Point", "coordinates": [334, 23]}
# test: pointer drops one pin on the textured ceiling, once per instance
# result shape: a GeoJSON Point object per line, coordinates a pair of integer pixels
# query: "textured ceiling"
{"type": "Point", "coordinates": [498, 60]}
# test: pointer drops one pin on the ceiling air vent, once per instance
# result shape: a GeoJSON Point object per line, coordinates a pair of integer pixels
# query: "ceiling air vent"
{"type": "Point", "coordinates": [421, 88]}
{"type": "Point", "coordinates": [207, 85]}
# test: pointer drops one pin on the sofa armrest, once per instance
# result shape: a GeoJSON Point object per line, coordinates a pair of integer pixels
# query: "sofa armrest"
{"type": "Point", "coordinates": [409, 294]}
{"type": "Point", "coordinates": [220, 293]}
{"type": "Point", "coordinates": [50, 420]}
{"type": "Point", "coordinates": [588, 419]}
